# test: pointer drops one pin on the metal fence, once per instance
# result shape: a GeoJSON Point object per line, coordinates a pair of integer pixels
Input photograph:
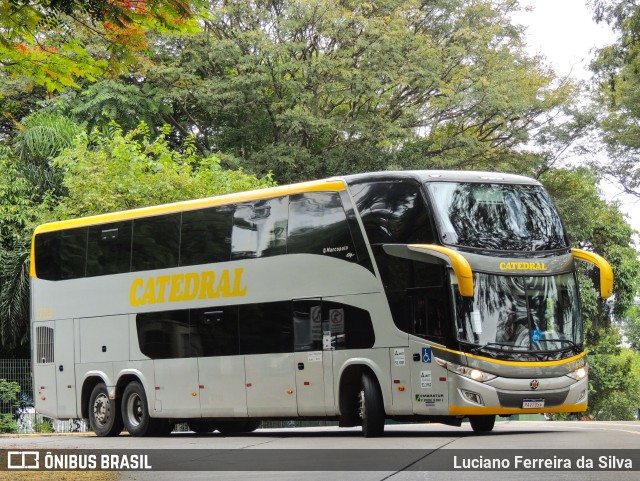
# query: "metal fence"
{"type": "Point", "coordinates": [27, 421]}
{"type": "Point", "coordinates": [19, 370]}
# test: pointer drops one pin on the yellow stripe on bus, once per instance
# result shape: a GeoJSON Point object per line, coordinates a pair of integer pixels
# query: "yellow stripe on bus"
{"type": "Point", "coordinates": [515, 363]}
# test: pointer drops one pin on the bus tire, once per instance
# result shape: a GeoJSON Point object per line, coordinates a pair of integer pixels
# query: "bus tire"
{"type": "Point", "coordinates": [482, 423]}
{"type": "Point", "coordinates": [371, 407]}
{"type": "Point", "coordinates": [201, 426]}
{"type": "Point", "coordinates": [104, 416]}
{"type": "Point", "coordinates": [135, 411]}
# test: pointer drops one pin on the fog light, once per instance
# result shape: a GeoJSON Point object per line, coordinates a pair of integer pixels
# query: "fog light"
{"type": "Point", "coordinates": [473, 397]}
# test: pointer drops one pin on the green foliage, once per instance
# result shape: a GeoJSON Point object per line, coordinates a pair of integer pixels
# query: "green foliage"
{"type": "Point", "coordinates": [631, 327]}
{"type": "Point", "coordinates": [43, 135]}
{"type": "Point", "coordinates": [9, 390]}
{"type": "Point", "coordinates": [598, 226]}
{"type": "Point", "coordinates": [21, 207]}
{"type": "Point", "coordinates": [314, 89]}
{"type": "Point", "coordinates": [614, 379]}
{"type": "Point", "coordinates": [8, 424]}
{"type": "Point", "coordinates": [106, 173]}
{"type": "Point", "coordinates": [109, 100]}
{"type": "Point", "coordinates": [36, 40]}
{"type": "Point", "coordinates": [43, 425]}
{"type": "Point", "coordinates": [617, 73]}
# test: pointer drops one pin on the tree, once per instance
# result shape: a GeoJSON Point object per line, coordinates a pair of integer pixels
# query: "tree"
{"type": "Point", "coordinates": [38, 39]}
{"type": "Point", "coordinates": [20, 210]}
{"type": "Point", "coordinates": [98, 173]}
{"type": "Point", "coordinates": [117, 171]}
{"type": "Point", "coordinates": [617, 75]}
{"type": "Point", "coordinates": [631, 327]}
{"type": "Point", "coordinates": [313, 89]}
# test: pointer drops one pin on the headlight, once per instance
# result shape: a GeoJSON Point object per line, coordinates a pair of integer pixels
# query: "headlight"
{"type": "Point", "coordinates": [579, 373]}
{"type": "Point", "coordinates": [470, 372]}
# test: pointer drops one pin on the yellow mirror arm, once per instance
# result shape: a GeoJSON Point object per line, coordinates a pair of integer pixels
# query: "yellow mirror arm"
{"type": "Point", "coordinates": [606, 273]}
{"type": "Point", "coordinates": [457, 261]}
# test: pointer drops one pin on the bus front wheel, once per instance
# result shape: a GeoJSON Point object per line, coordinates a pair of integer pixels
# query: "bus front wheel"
{"type": "Point", "coordinates": [135, 411]}
{"type": "Point", "coordinates": [371, 407]}
{"type": "Point", "coordinates": [104, 417]}
{"type": "Point", "coordinates": [483, 423]}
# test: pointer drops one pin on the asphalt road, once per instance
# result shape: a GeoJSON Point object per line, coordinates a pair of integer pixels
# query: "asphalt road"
{"type": "Point", "coordinates": [405, 452]}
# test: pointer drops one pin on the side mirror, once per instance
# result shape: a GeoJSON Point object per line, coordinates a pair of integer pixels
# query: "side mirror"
{"type": "Point", "coordinates": [606, 273]}
{"type": "Point", "coordinates": [436, 254]}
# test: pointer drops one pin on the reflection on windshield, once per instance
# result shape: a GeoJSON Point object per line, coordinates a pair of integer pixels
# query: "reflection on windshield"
{"type": "Point", "coordinates": [521, 313]}
{"type": "Point", "coordinates": [501, 217]}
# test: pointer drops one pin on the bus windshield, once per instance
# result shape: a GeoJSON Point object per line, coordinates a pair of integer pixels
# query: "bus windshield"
{"type": "Point", "coordinates": [497, 216]}
{"type": "Point", "coordinates": [521, 314]}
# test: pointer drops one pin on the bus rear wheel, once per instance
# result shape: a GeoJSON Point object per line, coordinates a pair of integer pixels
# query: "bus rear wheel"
{"type": "Point", "coordinates": [483, 423]}
{"type": "Point", "coordinates": [135, 413]}
{"type": "Point", "coordinates": [371, 407]}
{"type": "Point", "coordinates": [104, 416]}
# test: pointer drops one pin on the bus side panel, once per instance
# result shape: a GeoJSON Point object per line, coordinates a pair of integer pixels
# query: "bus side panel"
{"type": "Point", "coordinates": [429, 381]}
{"type": "Point", "coordinates": [104, 339]}
{"type": "Point", "coordinates": [222, 386]}
{"type": "Point", "coordinates": [176, 388]}
{"type": "Point", "coordinates": [271, 385]}
{"type": "Point", "coordinates": [65, 368]}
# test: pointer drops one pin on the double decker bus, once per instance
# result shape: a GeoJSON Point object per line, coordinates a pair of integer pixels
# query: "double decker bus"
{"type": "Point", "coordinates": [419, 296]}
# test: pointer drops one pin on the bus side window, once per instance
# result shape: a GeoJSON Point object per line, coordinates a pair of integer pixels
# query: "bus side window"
{"type": "Point", "coordinates": [164, 335]}
{"type": "Point", "coordinates": [156, 242]}
{"type": "Point", "coordinates": [318, 225]}
{"type": "Point", "coordinates": [307, 325]}
{"type": "Point", "coordinates": [393, 212]}
{"type": "Point", "coordinates": [61, 255]}
{"type": "Point", "coordinates": [259, 229]}
{"type": "Point", "coordinates": [109, 249]}
{"type": "Point", "coordinates": [206, 235]}
{"type": "Point", "coordinates": [265, 328]}
{"type": "Point", "coordinates": [214, 331]}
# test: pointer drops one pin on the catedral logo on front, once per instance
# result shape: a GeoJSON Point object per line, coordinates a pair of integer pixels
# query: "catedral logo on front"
{"type": "Point", "coordinates": [523, 266]}
{"type": "Point", "coordinates": [187, 287]}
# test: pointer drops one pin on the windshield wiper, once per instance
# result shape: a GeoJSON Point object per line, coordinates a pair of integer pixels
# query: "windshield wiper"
{"type": "Point", "coordinates": [572, 345]}
{"type": "Point", "coordinates": [491, 344]}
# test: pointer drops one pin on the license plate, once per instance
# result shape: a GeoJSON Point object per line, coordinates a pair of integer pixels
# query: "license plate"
{"type": "Point", "coordinates": [532, 403]}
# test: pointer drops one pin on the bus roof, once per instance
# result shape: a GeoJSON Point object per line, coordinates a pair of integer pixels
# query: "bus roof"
{"type": "Point", "coordinates": [443, 176]}
{"type": "Point", "coordinates": [331, 184]}
{"type": "Point", "coordinates": [334, 184]}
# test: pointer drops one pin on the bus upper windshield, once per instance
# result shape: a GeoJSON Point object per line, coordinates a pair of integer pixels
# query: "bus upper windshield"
{"type": "Point", "coordinates": [497, 216]}
{"type": "Point", "coordinates": [521, 314]}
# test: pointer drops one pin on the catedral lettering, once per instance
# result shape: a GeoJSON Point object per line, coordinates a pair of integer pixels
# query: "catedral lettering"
{"type": "Point", "coordinates": [187, 287]}
{"type": "Point", "coordinates": [523, 266]}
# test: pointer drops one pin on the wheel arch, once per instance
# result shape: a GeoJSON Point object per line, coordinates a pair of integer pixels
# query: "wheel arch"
{"type": "Point", "coordinates": [91, 380]}
{"type": "Point", "coordinates": [350, 384]}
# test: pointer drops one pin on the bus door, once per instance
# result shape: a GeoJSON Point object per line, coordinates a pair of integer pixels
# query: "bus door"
{"type": "Point", "coordinates": [428, 315]}
{"type": "Point", "coordinates": [313, 358]}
